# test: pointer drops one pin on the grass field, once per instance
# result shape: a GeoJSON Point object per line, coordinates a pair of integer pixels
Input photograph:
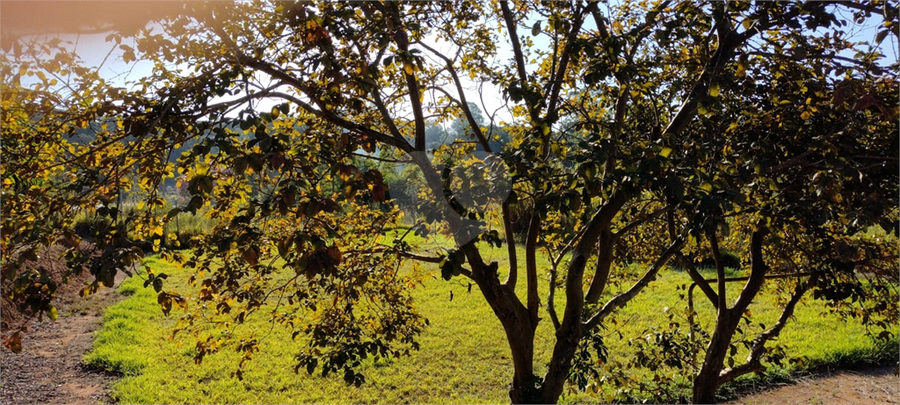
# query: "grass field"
{"type": "Point", "coordinates": [463, 356]}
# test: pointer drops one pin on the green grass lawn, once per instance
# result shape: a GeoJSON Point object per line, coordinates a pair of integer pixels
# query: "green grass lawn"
{"type": "Point", "coordinates": [463, 356]}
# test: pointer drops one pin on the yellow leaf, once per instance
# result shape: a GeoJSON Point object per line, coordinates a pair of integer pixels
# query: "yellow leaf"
{"type": "Point", "coordinates": [617, 26]}
{"type": "Point", "coordinates": [714, 90]}
{"type": "Point", "coordinates": [665, 152]}
{"type": "Point", "coordinates": [805, 115]}
{"type": "Point", "coordinates": [408, 67]}
{"type": "Point", "coordinates": [733, 126]}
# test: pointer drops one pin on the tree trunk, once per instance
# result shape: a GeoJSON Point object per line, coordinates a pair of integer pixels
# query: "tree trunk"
{"type": "Point", "coordinates": [524, 389]}
{"type": "Point", "coordinates": [555, 380]}
{"type": "Point", "coordinates": [706, 382]}
{"type": "Point", "coordinates": [519, 329]}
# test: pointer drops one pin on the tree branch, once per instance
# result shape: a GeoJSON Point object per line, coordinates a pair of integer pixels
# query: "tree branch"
{"type": "Point", "coordinates": [728, 44]}
{"type": "Point", "coordinates": [551, 296]}
{"type": "Point", "coordinates": [720, 268]}
{"type": "Point", "coordinates": [463, 103]}
{"type": "Point", "coordinates": [753, 363]}
{"type": "Point", "coordinates": [401, 38]}
{"type": "Point", "coordinates": [513, 274]}
{"type": "Point", "coordinates": [689, 266]}
{"type": "Point", "coordinates": [626, 296]}
{"type": "Point", "coordinates": [604, 263]}
{"type": "Point", "coordinates": [557, 81]}
{"type": "Point", "coordinates": [532, 299]}
{"type": "Point", "coordinates": [517, 52]}
{"type": "Point", "coordinates": [758, 271]}
{"type": "Point", "coordinates": [574, 290]}
{"type": "Point", "coordinates": [639, 221]}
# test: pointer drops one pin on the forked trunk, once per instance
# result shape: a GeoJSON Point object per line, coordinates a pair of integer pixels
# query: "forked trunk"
{"type": "Point", "coordinates": [706, 382]}
{"type": "Point", "coordinates": [560, 363]}
{"type": "Point", "coordinates": [529, 389]}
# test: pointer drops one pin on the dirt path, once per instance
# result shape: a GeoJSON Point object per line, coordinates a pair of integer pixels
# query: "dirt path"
{"type": "Point", "coordinates": [49, 368]}
{"type": "Point", "coordinates": [874, 385]}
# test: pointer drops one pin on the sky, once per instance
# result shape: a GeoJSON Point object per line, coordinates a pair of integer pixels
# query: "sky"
{"type": "Point", "coordinates": [25, 18]}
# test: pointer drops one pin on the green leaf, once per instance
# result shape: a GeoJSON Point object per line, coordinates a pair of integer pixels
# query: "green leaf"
{"type": "Point", "coordinates": [536, 29]}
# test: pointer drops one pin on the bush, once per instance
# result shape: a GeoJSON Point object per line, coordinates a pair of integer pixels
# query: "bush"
{"type": "Point", "coordinates": [729, 259]}
{"type": "Point", "coordinates": [184, 226]}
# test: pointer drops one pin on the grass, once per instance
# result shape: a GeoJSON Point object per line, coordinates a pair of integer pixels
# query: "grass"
{"type": "Point", "coordinates": [463, 358]}
{"type": "Point", "coordinates": [183, 226]}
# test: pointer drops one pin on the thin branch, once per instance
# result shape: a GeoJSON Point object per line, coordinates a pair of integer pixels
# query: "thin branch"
{"type": "Point", "coordinates": [720, 268]}
{"type": "Point", "coordinates": [551, 296]}
{"type": "Point", "coordinates": [639, 221]}
{"type": "Point", "coordinates": [463, 103]}
{"type": "Point", "coordinates": [401, 38]}
{"type": "Point", "coordinates": [381, 159]}
{"type": "Point", "coordinates": [560, 74]}
{"type": "Point", "coordinates": [517, 52]}
{"type": "Point", "coordinates": [689, 266]}
{"type": "Point", "coordinates": [626, 296]}
{"type": "Point", "coordinates": [409, 255]}
{"type": "Point", "coordinates": [532, 299]}
{"type": "Point", "coordinates": [513, 274]}
{"type": "Point", "coordinates": [753, 363]}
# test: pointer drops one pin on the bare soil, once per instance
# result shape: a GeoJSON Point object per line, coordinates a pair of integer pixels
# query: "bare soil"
{"type": "Point", "coordinates": [49, 368]}
{"type": "Point", "coordinates": [871, 385]}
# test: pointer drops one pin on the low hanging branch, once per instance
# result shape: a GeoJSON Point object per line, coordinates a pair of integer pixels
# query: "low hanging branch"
{"type": "Point", "coordinates": [758, 349]}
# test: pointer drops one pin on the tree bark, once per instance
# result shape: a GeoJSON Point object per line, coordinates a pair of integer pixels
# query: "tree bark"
{"type": "Point", "coordinates": [709, 379]}
{"type": "Point", "coordinates": [567, 338]}
{"type": "Point", "coordinates": [706, 382]}
{"type": "Point", "coordinates": [521, 344]}
{"type": "Point", "coordinates": [517, 323]}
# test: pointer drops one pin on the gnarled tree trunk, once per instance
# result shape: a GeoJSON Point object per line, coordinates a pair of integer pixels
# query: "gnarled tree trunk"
{"type": "Point", "coordinates": [706, 382]}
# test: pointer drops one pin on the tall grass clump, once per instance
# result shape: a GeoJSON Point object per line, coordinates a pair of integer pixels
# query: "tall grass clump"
{"type": "Point", "coordinates": [178, 232]}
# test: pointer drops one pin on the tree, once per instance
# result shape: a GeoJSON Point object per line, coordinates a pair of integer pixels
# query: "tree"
{"type": "Point", "coordinates": [799, 212]}
{"type": "Point", "coordinates": [50, 172]}
{"type": "Point", "coordinates": [637, 81]}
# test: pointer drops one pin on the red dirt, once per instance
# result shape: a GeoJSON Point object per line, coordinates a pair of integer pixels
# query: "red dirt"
{"type": "Point", "coordinates": [873, 385]}
{"type": "Point", "coordinates": [49, 368]}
